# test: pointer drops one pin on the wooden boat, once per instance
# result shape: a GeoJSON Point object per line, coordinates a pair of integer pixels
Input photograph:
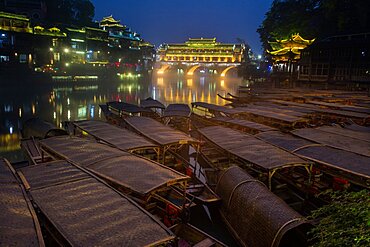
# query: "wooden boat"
{"type": "Point", "coordinates": [115, 136]}
{"type": "Point", "coordinates": [19, 225]}
{"type": "Point", "coordinates": [77, 208]}
{"type": "Point", "coordinates": [267, 213]}
{"type": "Point", "coordinates": [333, 168]}
{"type": "Point", "coordinates": [174, 146]}
{"type": "Point", "coordinates": [177, 116]}
{"type": "Point", "coordinates": [258, 155]}
{"type": "Point", "coordinates": [152, 185]}
{"type": "Point", "coordinates": [154, 105]}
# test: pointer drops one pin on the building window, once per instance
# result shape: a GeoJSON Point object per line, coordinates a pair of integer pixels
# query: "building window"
{"type": "Point", "coordinates": [22, 58]}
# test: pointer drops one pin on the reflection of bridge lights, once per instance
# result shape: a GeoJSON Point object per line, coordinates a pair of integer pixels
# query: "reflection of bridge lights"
{"type": "Point", "coordinates": [160, 81]}
{"type": "Point", "coordinates": [189, 82]}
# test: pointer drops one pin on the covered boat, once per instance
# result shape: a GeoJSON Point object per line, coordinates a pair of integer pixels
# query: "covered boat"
{"type": "Point", "coordinates": [256, 216]}
{"type": "Point", "coordinates": [144, 180]}
{"type": "Point", "coordinates": [19, 225]}
{"type": "Point", "coordinates": [79, 209]}
{"type": "Point", "coordinates": [118, 137]}
{"type": "Point", "coordinates": [252, 151]}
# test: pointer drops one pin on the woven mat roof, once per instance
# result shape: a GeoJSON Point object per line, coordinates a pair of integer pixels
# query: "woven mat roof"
{"type": "Point", "coordinates": [116, 136]}
{"type": "Point", "coordinates": [180, 110]}
{"type": "Point", "coordinates": [216, 108]}
{"type": "Point", "coordinates": [151, 103]}
{"type": "Point", "coordinates": [138, 174]}
{"type": "Point", "coordinates": [365, 136]}
{"type": "Point", "coordinates": [249, 148]}
{"type": "Point", "coordinates": [335, 140]}
{"type": "Point", "coordinates": [333, 157]}
{"type": "Point", "coordinates": [126, 107]}
{"type": "Point", "coordinates": [257, 216]}
{"type": "Point", "coordinates": [269, 114]}
{"type": "Point", "coordinates": [17, 225]}
{"type": "Point", "coordinates": [88, 212]}
{"type": "Point", "coordinates": [244, 123]}
{"type": "Point", "coordinates": [158, 132]}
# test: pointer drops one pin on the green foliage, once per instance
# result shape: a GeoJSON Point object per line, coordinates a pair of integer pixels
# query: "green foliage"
{"type": "Point", "coordinates": [343, 222]}
{"type": "Point", "coordinates": [314, 19]}
{"type": "Point", "coordinates": [77, 12]}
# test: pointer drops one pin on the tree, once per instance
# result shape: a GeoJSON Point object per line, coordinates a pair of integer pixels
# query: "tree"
{"type": "Point", "coordinates": [314, 19]}
{"type": "Point", "coordinates": [78, 12]}
{"type": "Point", "coordinates": [345, 221]}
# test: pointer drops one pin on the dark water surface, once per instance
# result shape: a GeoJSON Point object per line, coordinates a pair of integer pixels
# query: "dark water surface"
{"type": "Point", "coordinates": [61, 101]}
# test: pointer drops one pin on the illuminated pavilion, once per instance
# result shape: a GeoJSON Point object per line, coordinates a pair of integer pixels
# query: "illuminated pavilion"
{"type": "Point", "coordinates": [289, 49]}
{"type": "Point", "coordinates": [202, 50]}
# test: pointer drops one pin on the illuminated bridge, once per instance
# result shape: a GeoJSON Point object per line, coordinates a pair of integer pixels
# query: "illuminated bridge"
{"type": "Point", "coordinates": [198, 53]}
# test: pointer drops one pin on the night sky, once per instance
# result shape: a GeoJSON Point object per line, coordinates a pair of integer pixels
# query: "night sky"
{"type": "Point", "coordinates": [172, 21]}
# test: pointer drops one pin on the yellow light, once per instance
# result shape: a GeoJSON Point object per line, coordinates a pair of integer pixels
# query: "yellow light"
{"type": "Point", "coordinates": [189, 82]}
{"type": "Point", "coordinates": [66, 50]}
{"type": "Point", "coordinates": [51, 49]}
{"type": "Point", "coordinates": [222, 83]}
{"type": "Point", "coordinates": [67, 64]}
{"type": "Point", "coordinates": [20, 112]}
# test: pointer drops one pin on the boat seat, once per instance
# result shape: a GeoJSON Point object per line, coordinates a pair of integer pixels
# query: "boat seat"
{"type": "Point", "coordinates": [205, 243]}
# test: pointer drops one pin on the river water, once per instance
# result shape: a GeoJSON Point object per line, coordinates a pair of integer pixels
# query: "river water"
{"type": "Point", "coordinates": [61, 101]}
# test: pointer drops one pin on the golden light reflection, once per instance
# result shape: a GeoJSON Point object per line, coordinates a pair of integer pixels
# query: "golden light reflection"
{"type": "Point", "coordinates": [189, 82]}
{"type": "Point", "coordinates": [9, 142]}
{"type": "Point", "coordinates": [160, 81]}
{"type": "Point", "coordinates": [222, 83]}
{"type": "Point", "coordinates": [33, 109]}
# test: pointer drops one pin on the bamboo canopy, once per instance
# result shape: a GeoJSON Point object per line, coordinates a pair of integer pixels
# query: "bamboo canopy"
{"type": "Point", "coordinates": [137, 174]}
{"type": "Point", "coordinates": [87, 212]}
{"type": "Point", "coordinates": [244, 124]}
{"type": "Point", "coordinates": [335, 140]}
{"type": "Point", "coordinates": [350, 163]}
{"type": "Point", "coordinates": [251, 149]}
{"type": "Point", "coordinates": [177, 110]}
{"type": "Point", "coordinates": [120, 138]}
{"type": "Point", "coordinates": [19, 225]}
{"type": "Point", "coordinates": [157, 132]}
{"type": "Point", "coordinates": [255, 215]}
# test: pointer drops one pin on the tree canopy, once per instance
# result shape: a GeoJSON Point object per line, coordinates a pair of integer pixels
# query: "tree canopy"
{"type": "Point", "coordinates": [78, 12]}
{"type": "Point", "coordinates": [314, 19]}
{"type": "Point", "coordinates": [345, 221]}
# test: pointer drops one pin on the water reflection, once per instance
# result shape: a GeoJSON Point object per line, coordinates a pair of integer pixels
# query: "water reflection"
{"type": "Point", "coordinates": [78, 101]}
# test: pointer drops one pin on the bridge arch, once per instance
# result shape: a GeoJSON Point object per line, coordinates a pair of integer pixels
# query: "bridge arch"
{"type": "Point", "coordinates": [223, 73]}
{"type": "Point", "coordinates": [192, 69]}
{"type": "Point", "coordinates": [163, 69]}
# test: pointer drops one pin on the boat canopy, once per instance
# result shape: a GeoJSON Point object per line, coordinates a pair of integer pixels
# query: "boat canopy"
{"type": "Point", "coordinates": [256, 216]}
{"type": "Point", "coordinates": [86, 211]}
{"type": "Point", "coordinates": [123, 107]}
{"type": "Point", "coordinates": [334, 158]}
{"type": "Point", "coordinates": [327, 111]}
{"type": "Point", "coordinates": [177, 110]}
{"type": "Point", "coordinates": [151, 103]}
{"type": "Point", "coordinates": [281, 117]}
{"type": "Point", "coordinates": [36, 127]}
{"type": "Point", "coordinates": [364, 136]}
{"type": "Point", "coordinates": [19, 225]}
{"type": "Point", "coordinates": [251, 149]}
{"type": "Point", "coordinates": [158, 132]}
{"type": "Point", "coordinates": [242, 123]}
{"type": "Point", "coordinates": [216, 108]}
{"type": "Point", "coordinates": [120, 138]}
{"type": "Point", "coordinates": [335, 140]}
{"type": "Point", "coordinates": [138, 175]}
